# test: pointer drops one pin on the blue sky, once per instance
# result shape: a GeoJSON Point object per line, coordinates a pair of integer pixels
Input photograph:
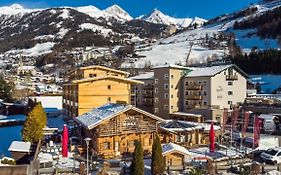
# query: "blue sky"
{"type": "Point", "coordinates": [177, 8]}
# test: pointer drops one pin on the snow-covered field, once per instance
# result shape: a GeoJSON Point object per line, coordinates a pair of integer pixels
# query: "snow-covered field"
{"type": "Point", "coordinates": [95, 28]}
{"type": "Point", "coordinates": [37, 50]}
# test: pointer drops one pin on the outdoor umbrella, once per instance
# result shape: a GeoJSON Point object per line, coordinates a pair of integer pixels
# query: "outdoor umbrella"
{"type": "Point", "coordinates": [64, 141]}
{"type": "Point", "coordinates": [212, 138]}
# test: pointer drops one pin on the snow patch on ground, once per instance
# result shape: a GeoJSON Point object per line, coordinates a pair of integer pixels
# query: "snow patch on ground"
{"type": "Point", "coordinates": [175, 49]}
{"type": "Point", "coordinates": [44, 37]}
{"type": "Point", "coordinates": [62, 32]}
{"type": "Point", "coordinates": [38, 49]}
{"type": "Point", "coordinates": [95, 28]}
{"type": "Point", "coordinates": [65, 14]}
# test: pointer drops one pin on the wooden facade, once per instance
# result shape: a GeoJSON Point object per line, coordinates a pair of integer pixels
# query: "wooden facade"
{"type": "Point", "coordinates": [116, 136]}
{"type": "Point", "coordinates": [94, 86]}
{"type": "Point", "coordinates": [186, 136]}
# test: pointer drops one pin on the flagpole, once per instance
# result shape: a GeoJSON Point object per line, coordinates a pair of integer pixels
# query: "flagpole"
{"type": "Point", "coordinates": [253, 146]}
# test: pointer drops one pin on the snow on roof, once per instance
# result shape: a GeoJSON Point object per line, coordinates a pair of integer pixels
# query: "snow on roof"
{"type": "Point", "coordinates": [26, 68]}
{"type": "Point", "coordinates": [19, 146]}
{"type": "Point", "coordinates": [207, 71]}
{"type": "Point", "coordinates": [172, 147]}
{"type": "Point", "coordinates": [98, 115]}
{"type": "Point", "coordinates": [212, 70]}
{"type": "Point", "coordinates": [145, 76]}
{"type": "Point", "coordinates": [179, 126]}
{"type": "Point", "coordinates": [167, 65]}
{"type": "Point", "coordinates": [187, 114]}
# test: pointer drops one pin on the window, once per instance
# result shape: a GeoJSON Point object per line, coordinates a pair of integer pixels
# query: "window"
{"type": "Point", "coordinates": [156, 99]}
{"type": "Point", "coordinates": [172, 107]}
{"type": "Point", "coordinates": [166, 95]}
{"type": "Point", "coordinates": [186, 83]}
{"type": "Point", "coordinates": [166, 76]}
{"type": "Point", "coordinates": [131, 143]}
{"type": "Point", "coordinates": [166, 107]}
{"type": "Point", "coordinates": [172, 76]}
{"type": "Point", "coordinates": [229, 102]}
{"type": "Point", "coordinates": [156, 110]}
{"type": "Point", "coordinates": [108, 87]}
{"type": "Point", "coordinates": [106, 145]}
{"type": "Point", "coordinates": [166, 86]}
{"type": "Point", "coordinates": [172, 86]}
{"type": "Point", "coordinates": [205, 82]}
{"type": "Point", "coordinates": [178, 137]}
{"type": "Point", "coordinates": [156, 90]}
{"type": "Point", "coordinates": [199, 82]}
{"type": "Point", "coordinates": [156, 81]}
{"type": "Point", "coordinates": [205, 103]}
{"type": "Point", "coordinates": [172, 96]}
{"type": "Point", "coordinates": [109, 99]}
{"type": "Point", "coordinates": [230, 83]}
{"type": "Point", "coordinates": [230, 93]}
{"type": "Point", "coordinates": [92, 75]}
{"type": "Point", "coordinates": [205, 92]}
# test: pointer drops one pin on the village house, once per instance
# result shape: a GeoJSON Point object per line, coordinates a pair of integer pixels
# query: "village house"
{"type": "Point", "coordinates": [187, 134]}
{"type": "Point", "coordinates": [93, 86]}
{"type": "Point", "coordinates": [114, 128]}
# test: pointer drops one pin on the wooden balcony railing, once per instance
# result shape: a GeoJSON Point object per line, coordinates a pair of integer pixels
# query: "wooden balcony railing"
{"type": "Point", "coordinates": [194, 97]}
{"type": "Point", "coordinates": [194, 87]}
{"type": "Point", "coordinates": [231, 77]}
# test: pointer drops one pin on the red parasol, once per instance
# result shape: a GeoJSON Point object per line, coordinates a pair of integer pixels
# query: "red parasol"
{"type": "Point", "coordinates": [65, 141]}
{"type": "Point", "coordinates": [212, 138]}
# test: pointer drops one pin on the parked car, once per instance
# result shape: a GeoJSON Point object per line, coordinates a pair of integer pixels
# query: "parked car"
{"type": "Point", "coordinates": [272, 155]}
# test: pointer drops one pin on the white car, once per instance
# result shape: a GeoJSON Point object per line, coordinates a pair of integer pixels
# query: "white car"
{"type": "Point", "coordinates": [272, 155]}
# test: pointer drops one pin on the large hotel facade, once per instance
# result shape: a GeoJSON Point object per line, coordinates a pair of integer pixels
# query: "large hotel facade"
{"type": "Point", "coordinates": [194, 90]}
{"type": "Point", "coordinates": [94, 86]}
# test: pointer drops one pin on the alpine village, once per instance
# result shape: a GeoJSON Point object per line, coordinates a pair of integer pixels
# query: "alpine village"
{"type": "Point", "coordinates": [85, 90]}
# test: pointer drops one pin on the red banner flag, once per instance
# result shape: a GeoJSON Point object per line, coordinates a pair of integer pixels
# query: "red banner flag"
{"type": "Point", "coordinates": [246, 122]}
{"type": "Point", "coordinates": [257, 126]}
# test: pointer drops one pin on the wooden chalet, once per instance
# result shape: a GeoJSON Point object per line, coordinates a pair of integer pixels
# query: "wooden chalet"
{"type": "Point", "coordinates": [187, 134]}
{"type": "Point", "coordinates": [115, 127]}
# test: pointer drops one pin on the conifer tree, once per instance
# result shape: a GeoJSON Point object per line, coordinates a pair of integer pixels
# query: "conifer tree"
{"type": "Point", "coordinates": [34, 124]}
{"type": "Point", "coordinates": [137, 166]}
{"type": "Point", "coordinates": [5, 90]}
{"type": "Point", "coordinates": [157, 160]}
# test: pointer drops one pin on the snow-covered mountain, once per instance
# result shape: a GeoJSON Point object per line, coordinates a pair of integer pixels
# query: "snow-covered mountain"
{"type": "Point", "coordinates": [118, 12]}
{"type": "Point", "coordinates": [14, 10]}
{"type": "Point", "coordinates": [211, 41]}
{"type": "Point", "coordinates": [156, 16]}
{"type": "Point", "coordinates": [113, 11]}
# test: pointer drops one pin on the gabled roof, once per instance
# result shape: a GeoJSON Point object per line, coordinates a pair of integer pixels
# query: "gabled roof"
{"type": "Point", "coordinates": [175, 126]}
{"type": "Point", "coordinates": [106, 112]}
{"type": "Point", "coordinates": [172, 147]}
{"type": "Point", "coordinates": [107, 77]}
{"type": "Point", "coordinates": [18, 146]}
{"type": "Point", "coordinates": [212, 71]}
{"type": "Point", "coordinates": [170, 66]}
{"type": "Point", "coordinates": [103, 68]}
{"type": "Point", "coordinates": [145, 76]}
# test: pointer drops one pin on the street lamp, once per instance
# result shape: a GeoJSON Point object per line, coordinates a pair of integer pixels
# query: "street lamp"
{"type": "Point", "coordinates": [87, 140]}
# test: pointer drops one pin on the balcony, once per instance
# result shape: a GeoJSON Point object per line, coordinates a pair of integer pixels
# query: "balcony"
{"type": "Point", "coordinates": [148, 87]}
{"type": "Point", "coordinates": [195, 87]}
{"type": "Point", "coordinates": [231, 77]}
{"type": "Point", "coordinates": [194, 97]}
{"type": "Point", "coordinates": [148, 95]}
